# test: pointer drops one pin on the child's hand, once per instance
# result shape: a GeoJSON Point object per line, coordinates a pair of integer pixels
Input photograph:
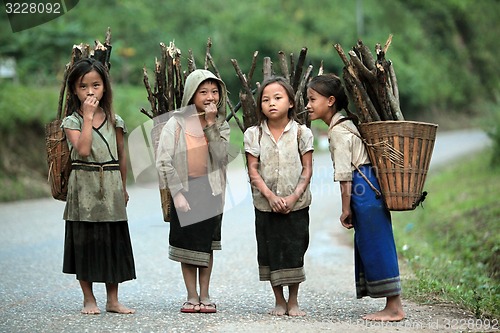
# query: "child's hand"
{"type": "Point", "coordinates": [210, 114]}
{"type": "Point", "coordinates": [180, 203]}
{"type": "Point", "coordinates": [126, 197]}
{"type": "Point", "coordinates": [346, 219]}
{"type": "Point", "coordinates": [90, 106]}
{"type": "Point", "coordinates": [290, 201]}
{"type": "Point", "coordinates": [278, 204]}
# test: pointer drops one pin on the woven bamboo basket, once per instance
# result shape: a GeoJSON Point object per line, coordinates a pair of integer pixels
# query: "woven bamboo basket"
{"type": "Point", "coordinates": [58, 159]}
{"type": "Point", "coordinates": [165, 196]}
{"type": "Point", "coordinates": [401, 152]}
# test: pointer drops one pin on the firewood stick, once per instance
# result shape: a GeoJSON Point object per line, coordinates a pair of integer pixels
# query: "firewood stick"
{"type": "Point", "coordinates": [151, 97]}
{"type": "Point", "coordinates": [341, 53]}
{"type": "Point", "coordinates": [395, 108]}
{"type": "Point", "coordinates": [321, 69]}
{"type": "Point", "coordinates": [364, 96]}
{"type": "Point", "coordinates": [365, 55]}
{"type": "Point", "coordinates": [159, 91]}
{"type": "Point", "coordinates": [249, 110]}
{"type": "Point", "coordinates": [267, 68]}
{"type": "Point", "coordinates": [168, 74]}
{"type": "Point", "coordinates": [246, 97]}
{"type": "Point", "coordinates": [179, 87]}
{"type": "Point", "coordinates": [107, 44]}
{"type": "Point", "coordinates": [387, 44]}
{"type": "Point", "coordinates": [173, 64]}
{"type": "Point", "coordinates": [61, 94]}
{"type": "Point", "coordinates": [100, 52]}
{"type": "Point", "coordinates": [303, 82]}
{"type": "Point", "coordinates": [299, 94]}
{"type": "Point", "coordinates": [191, 62]}
{"type": "Point", "coordinates": [298, 70]}
{"type": "Point", "coordinates": [283, 65]}
{"type": "Point", "coordinates": [361, 68]}
{"type": "Point", "coordinates": [232, 114]}
{"type": "Point", "coordinates": [394, 82]}
{"type": "Point", "coordinates": [212, 63]}
{"type": "Point", "coordinates": [241, 76]}
{"type": "Point", "coordinates": [147, 113]}
{"type": "Point", "coordinates": [86, 51]}
{"type": "Point", "coordinates": [356, 97]}
{"type": "Point", "coordinates": [383, 102]}
{"type": "Point", "coordinates": [207, 53]}
{"type": "Point", "coordinates": [292, 67]}
{"type": "Point", "coordinates": [252, 67]}
{"type": "Point", "coordinates": [361, 97]}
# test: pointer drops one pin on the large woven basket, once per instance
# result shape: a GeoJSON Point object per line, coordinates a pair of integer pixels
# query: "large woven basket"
{"type": "Point", "coordinates": [165, 196]}
{"type": "Point", "coordinates": [58, 159]}
{"type": "Point", "coordinates": [401, 152]}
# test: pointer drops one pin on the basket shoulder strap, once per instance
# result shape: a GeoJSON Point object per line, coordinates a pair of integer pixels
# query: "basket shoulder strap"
{"type": "Point", "coordinates": [377, 192]}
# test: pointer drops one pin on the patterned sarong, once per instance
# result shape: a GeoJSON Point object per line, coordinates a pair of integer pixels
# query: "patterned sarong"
{"type": "Point", "coordinates": [376, 261]}
{"type": "Point", "coordinates": [282, 241]}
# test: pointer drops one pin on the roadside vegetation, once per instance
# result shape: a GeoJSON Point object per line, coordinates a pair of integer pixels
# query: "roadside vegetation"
{"type": "Point", "coordinates": [450, 247]}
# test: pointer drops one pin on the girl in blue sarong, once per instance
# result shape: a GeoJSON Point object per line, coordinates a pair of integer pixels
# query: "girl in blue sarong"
{"type": "Point", "coordinates": [376, 261]}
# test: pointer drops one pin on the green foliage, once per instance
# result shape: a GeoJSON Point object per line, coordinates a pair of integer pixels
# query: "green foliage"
{"type": "Point", "coordinates": [452, 244]}
{"type": "Point", "coordinates": [444, 51]}
{"type": "Point", "coordinates": [23, 106]}
{"type": "Point", "coordinates": [492, 128]}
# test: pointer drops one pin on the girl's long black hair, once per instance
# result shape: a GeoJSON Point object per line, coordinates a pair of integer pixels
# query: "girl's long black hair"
{"type": "Point", "coordinates": [79, 69]}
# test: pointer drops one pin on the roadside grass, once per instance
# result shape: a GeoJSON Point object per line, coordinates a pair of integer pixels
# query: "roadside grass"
{"type": "Point", "coordinates": [450, 248]}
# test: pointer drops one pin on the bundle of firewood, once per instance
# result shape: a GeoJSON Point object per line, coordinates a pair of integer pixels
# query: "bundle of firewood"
{"type": "Point", "coordinates": [371, 82]}
{"type": "Point", "coordinates": [58, 154]}
{"type": "Point", "coordinates": [290, 71]}
{"type": "Point", "coordinates": [168, 88]}
{"type": "Point", "coordinates": [100, 52]}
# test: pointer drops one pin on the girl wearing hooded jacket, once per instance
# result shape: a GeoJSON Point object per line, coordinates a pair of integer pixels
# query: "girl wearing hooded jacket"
{"type": "Point", "coordinates": [191, 161]}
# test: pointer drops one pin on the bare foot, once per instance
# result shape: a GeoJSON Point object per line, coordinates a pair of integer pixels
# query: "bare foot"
{"type": "Point", "coordinates": [119, 308]}
{"type": "Point", "coordinates": [279, 310]}
{"type": "Point", "coordinates": [386, 315]}
{"type": "Point", "coordinates": [295, 311]}
{"type": "Point", "coordinates": [90, 308]}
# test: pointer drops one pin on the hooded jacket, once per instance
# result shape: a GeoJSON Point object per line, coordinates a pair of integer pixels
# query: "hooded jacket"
{"type": "Point", "coordinates": [171, 155]}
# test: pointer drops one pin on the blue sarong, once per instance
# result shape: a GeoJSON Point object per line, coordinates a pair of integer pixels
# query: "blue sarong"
{"type": "Point", "coordinates": [376, 260]}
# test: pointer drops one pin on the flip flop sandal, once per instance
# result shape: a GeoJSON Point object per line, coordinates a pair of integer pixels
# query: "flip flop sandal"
{"type": "Point", "coordinates": [208, 307]}
{"type": "Point", "coordinates": [184, 309]}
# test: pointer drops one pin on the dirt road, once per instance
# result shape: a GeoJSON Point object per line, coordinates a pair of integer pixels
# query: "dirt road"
{"type": "Point", "coordinates": [35, 296]}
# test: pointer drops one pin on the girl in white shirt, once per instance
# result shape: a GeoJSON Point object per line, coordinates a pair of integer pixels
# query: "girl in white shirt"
{"type": "Point", "coordinates": [279, 157]}
{"type": "Point", "coordinates": [376, 261]}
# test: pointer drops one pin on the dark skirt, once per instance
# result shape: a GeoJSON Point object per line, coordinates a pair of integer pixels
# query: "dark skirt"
{"type": "Point", "coordinates": [282, 241]}
{"type": "Point", "coordinates": [98, 251]}
{"type": "Point", "coordinates": [376, 260]}
{"type": "Point", "coordinates": [196, 233]}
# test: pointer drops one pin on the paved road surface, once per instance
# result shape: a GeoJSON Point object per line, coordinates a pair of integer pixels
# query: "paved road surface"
{"type": "Point", "coordinates": [35, 296]}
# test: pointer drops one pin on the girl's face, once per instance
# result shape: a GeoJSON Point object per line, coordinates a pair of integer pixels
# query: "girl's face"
{"type": "Point", "coordinates": [90, 84]}
{"type": "Point", "coordinates": [319, 106]}
{"type": "Point", "coordinates": [206, 94]}
{"type": "Point", "coordinates": [275, 102]}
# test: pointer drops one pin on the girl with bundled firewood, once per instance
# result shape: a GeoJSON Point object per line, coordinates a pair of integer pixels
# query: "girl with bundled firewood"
{"type": "Point", "coordinates": [279, 158]}
{"type": "Point", "coordinates": [192, 157]}
{"type": "Point", "coordinates": [97, 246]}
{"type": "Point", "coordinates": [376, 261]}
